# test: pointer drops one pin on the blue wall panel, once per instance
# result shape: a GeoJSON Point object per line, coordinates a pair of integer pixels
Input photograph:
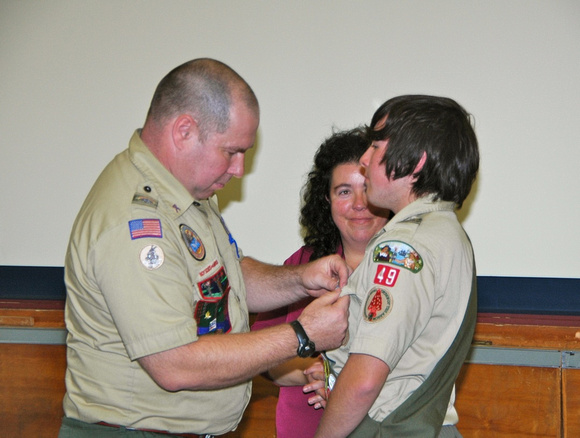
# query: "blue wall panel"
{"type": "Point", "coordinates": [530, 295]}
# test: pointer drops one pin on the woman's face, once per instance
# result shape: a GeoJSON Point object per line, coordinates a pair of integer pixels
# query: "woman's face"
{"type": "Point", "coordinates": [348, 206]}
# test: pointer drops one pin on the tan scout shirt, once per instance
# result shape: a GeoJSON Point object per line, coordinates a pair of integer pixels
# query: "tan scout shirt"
{"type": "Point", "coordinates": [148, 269]}
{"type": "Point", "coordinates": [408, 298]}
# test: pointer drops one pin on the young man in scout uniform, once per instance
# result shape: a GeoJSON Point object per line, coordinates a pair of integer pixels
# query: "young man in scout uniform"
{"type": "Point", "coordinates": [413, 298]}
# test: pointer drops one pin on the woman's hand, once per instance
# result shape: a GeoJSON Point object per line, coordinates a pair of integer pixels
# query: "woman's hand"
{"type": "Point", "coordinates": [315, 375]}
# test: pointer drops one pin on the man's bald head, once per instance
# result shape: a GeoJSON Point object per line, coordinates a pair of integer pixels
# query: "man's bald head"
{"type": "Point", "coordinates": [204, 88]}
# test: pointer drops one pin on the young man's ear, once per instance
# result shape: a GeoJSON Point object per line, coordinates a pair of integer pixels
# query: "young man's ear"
{"type": "Point", "coordinates": [185, 130]}
{"type": "Point", "coordinates": [420, 164]}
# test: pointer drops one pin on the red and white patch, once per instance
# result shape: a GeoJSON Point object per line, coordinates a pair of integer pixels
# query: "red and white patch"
{"type": "Point", "coordinates": [386, 275]}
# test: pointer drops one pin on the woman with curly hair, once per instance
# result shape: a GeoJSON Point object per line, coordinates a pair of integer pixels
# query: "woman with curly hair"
{"type": "Point", "coordinates": [335, 218]}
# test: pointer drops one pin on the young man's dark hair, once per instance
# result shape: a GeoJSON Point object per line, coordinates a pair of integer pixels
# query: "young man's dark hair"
{"type": "Point", "coordinates": [437, 126]}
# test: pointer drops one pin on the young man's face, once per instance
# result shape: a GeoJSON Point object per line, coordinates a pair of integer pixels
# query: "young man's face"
{"type": "Point", "coordinates": [384, 192]}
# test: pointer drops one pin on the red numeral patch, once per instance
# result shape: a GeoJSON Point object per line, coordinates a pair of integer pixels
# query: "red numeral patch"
{"type": "Point", "coordinates": [386, 275]}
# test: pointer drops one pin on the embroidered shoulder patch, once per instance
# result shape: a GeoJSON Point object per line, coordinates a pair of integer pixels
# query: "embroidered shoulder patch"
{"type": "Point", "coordinates": [140, 228]}
{"type": "Point", "coordinates": [398, 253]}
{"type": "Point", "coordinates": [144, 200]}
{"type": "Point", "coordinates": [152, 257]}
{"type": "Point", "coordinates": [213, 316]}
{"type": "Point", "coordinates": [213, 288]}
{"type": "Point", "coordinates": [193, 242]}
{"type": "Point", "coordinates": [378, 304]}
{"type": "Point", "coordinates": [386, 275]}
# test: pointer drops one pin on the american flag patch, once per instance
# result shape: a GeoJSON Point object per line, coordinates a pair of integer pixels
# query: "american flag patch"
{"type": "Point", "coordinates": [145, 228]}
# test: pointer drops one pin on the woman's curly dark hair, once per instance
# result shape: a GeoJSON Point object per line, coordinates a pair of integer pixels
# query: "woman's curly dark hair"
{"type": "Point", "coordinates": [318, 228]}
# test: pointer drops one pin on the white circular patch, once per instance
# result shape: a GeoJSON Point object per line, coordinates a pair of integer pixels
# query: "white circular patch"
{"type": "Point", "coordinates": [152, 257]}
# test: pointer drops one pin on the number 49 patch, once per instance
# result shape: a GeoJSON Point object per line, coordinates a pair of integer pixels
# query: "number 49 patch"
{"type": "Point", "coordinates": [386, 275]}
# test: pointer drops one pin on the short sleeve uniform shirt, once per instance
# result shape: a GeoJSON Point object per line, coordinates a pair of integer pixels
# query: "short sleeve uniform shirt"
{"type": "Point", "coordinates": [408, 297]}
{"type": "Point", "coordinates": [148, 269]}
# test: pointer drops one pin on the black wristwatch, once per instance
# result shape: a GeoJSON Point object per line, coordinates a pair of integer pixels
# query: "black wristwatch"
{"type": "Point", "coordinates": [306, 347]}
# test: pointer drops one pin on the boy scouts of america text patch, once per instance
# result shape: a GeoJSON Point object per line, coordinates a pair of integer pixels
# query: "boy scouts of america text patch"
{"type": "Point", "coordinates": [398, 253]}
{"type": "Point", "coordinates": [378, 304]}
{"type": "Point", "coordinates": [193, 242]}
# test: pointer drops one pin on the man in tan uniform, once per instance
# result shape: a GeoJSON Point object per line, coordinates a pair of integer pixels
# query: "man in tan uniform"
{"type": "Point", "coordinates": [158, 292]}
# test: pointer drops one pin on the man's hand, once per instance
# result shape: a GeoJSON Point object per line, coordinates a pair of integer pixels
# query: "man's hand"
{"type": "Point", "coordinates": [325, 320]}
{"type": "Point", "coordinates": [325, 274]}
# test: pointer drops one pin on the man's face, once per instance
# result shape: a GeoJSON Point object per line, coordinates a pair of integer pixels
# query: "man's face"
{"type": "Point", "coordinates": [208, 166]}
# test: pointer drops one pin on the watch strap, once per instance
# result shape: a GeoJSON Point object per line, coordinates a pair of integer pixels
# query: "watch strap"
{"type": "Point", "coordinates": [306, 347]}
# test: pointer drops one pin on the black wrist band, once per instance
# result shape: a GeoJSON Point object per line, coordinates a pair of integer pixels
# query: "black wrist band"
{"type": "Point", "coordinates": [306, 347]}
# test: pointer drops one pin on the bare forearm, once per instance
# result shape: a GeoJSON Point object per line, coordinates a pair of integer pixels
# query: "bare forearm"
{"type": "Point", "coordinates": [291, 372]}
{"type": "Point", "coordinates": [221, 360]}
{"type": "Point", "coordinates": [355, 391]}
{"type": "Point", "coordinates": [217, 361]}
{"type": "Point", "coordinates": [343, 413]}
{"type": "Point", "coordinates": [269, 286]}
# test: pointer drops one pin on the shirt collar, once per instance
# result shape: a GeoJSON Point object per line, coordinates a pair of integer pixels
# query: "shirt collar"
{"type": "Point", "coordinates": [158, 179]}
{"type": "Point", "coordinates": [421, 206]}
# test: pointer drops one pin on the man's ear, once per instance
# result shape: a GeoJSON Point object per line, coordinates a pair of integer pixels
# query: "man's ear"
{"type": "Point", "coordinates": [184, 130]}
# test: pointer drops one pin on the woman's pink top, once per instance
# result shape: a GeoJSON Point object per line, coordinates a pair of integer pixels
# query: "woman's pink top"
{"type": "Point", "coordinates": [295, 418]}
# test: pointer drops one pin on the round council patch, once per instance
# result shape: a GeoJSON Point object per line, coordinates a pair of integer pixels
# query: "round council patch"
{"type": "Point", "coordinates": [152, 257]}
{"type": "Point", "coordinates": [378, 304]}
{"type": "Point", "coordinates": [193, 242]}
